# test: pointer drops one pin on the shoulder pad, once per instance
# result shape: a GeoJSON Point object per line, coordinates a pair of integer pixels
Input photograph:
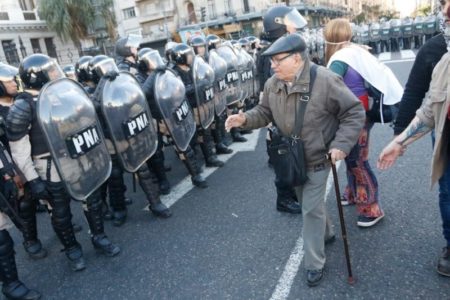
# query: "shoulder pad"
{"type": "Point", "coordinates": [19, 118]}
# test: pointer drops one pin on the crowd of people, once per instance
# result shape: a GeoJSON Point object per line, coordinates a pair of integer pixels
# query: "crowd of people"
{"type": "Point", "coordinates": [73, 133]}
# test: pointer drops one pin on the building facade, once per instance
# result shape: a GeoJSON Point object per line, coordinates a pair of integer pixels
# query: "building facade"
{"type": "Point", "coordinates": [23, 33]}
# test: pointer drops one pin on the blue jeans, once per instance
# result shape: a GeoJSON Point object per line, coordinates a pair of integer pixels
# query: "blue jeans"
{"type": "Point", "coordinates": [444, 199]}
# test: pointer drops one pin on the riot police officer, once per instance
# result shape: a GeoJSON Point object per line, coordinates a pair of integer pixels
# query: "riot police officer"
{"type": "Point", "coordinates": [183, 57]}
{"type": "Point", "coordinates": [32, 156]}
{"type": "Point", "coordinates": [278, 21]}
{"type": "Point", "coordinates": [103, 68]}
{"type": "Point", "coordinates": [125, 51]}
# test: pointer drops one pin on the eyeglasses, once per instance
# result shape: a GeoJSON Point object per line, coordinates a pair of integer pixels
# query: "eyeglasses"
{"type": "Point", "coordinates": [277, 62]}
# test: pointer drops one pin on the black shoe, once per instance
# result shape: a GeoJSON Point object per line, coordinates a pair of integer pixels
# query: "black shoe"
{"type": "Point", "coordinates": [364, 221]}
{"type": "Point", "coordinates": [314, 277]}
{"type": "Point", "coordinates": [222, 149]}
{"type": "Point", "coordinates": [238, 138]}
{"type": "Point", "coordinates": [34, 249]}
{"type": "Point", "coordinates": [212, 162]}
{"type": "Point", "coordinates": [18, 291]}
{"type": "Point", "coordinates": [199, 181]}
{"type": "Point", "coordinates": [128, 201]}
{"type": "Point", "coordinates": [104, 246]}
{"type": "Point", "coordinates": [164, 187]}
{"type": "Point", "coordinates": [75, 256]}
{"type": "Point", "coordinates": [289, 206]}
{"type": "Point", "coordinates": [160, 210]}
{"type": "Point", "coordinates": [443, 267]}
{"type": "Point", "coordinates": [119, 217]}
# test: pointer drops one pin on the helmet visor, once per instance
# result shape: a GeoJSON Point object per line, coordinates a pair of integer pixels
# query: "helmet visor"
{"type": "Point", "coordinates": [152, 59]}
{"type": "Point", "coordinates": [53, 71]}
{"type": "Point", "coordinates": [293, 19]}
{"type": "Point", "coordinates": [106, 66]}
{"type": "Point", "coordinates": [133, 41]}
{"type": "Point", "coordinates": [7, 72]}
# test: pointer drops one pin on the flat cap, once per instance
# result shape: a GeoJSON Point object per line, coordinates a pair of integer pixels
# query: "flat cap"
{"type": "Point", "coordinates": [288, 43]}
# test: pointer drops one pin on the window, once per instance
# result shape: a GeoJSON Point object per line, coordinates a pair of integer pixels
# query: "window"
{"type": "Point", "coordinates": [51, 48]}
{"type": "Point", "coordinates": [10, 50]}
{"type": "Point", "coordinates": [4, 16]}
{"type": "Point", "coordinates": [35, 45]}
{"type": "Point", "coordinates": [129, 13]}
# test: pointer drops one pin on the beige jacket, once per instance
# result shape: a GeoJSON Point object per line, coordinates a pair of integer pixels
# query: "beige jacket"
{"type": "Point", "coordinates": [334, 116]}
{"type": "Point", "coordinates": [434, 114]}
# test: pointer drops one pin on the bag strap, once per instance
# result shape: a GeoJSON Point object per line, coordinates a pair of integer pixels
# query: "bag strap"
{"type": "Point", "coordinates": [303, 100]}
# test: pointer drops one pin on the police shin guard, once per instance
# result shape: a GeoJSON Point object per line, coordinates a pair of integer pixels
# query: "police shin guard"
{"type": "Point", "coordinates": [94, 218]}
{"type": "Point", "coordinates": [106, 211]}
{"type": "Point", "coordinates": [31, 243]}
{"type": "Point", "coordinates": [156, 163]}
{"type": "Point", "coordinates": [221, 148]}
{"type": "Point", "coordinates": [207, 145]}
{"type": "Point", "coordinates": [62, 224]}
{"type": "Point", "coordinates": [116, 189]}
{"type": "Point", "coordinates": [13, 288]}
{"type": "Point", "coordinates": [191, 163]}
{"type": "Point", "coordinates": [151, 192]}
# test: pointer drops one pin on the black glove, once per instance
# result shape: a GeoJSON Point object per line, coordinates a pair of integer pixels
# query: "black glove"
{"type": "Point", "coordinates": [38, 189]}
{"type": "Point", "coordinates": [111, 75]}
{"type": "Point", "coordinates": [161, 68]}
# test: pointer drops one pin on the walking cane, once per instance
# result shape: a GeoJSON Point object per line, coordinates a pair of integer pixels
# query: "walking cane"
{"type": "Point", "coordinates": [351, 280]}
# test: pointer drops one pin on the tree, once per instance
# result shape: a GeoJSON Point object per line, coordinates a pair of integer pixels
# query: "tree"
{"type": "Point", "coordinates": [389, 14]}
{"type": "Point", "coordinates": [74, 19]}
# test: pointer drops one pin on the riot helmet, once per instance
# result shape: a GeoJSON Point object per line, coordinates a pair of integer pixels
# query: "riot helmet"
{"type": "Point", "coordinates": [127, 46]}
{"type": "Point", "coordinates": [235, 44]}
{"type": "Point", "coordinates": [244, 43]}
{"type": "Point", "coordinates": [69, 71]}
{"type": "Point", "coordinates": [213, 41]}
{"type": "Point", "coordinates": [182, 54]}
{"type": "Point", "coordinates": [168, 50]}
{"type": "Point", "coordinates": [82, 69]}
{"type": "Point", "coordinates": [279, 20]}
{"type": "Point", "coordinates": [198, 43]}
{"type": "Point", "coordinates": [7, 74]}
{"type": "Point", "coordinates": [100, 65]}
{"type": "Point", "coordinates": [38, 69]}
{"type": "Point", "coordinates": [149, 60]}
{"type": "Point", "coordinates": [253, 42]}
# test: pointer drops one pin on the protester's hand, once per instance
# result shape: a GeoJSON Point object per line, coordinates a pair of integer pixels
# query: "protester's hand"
{"type": "Point", "coordinates": [235, 121]}
{"type": "Point", "coordinates": [336, 154]}
{"type": "Point", "coordinates": [389, 155]}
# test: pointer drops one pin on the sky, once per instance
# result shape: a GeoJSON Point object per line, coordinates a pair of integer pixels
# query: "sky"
{"type": "Point", "coordinates": [405, 7]}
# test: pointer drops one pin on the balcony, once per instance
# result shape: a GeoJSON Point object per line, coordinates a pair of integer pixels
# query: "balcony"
{"type": "Point", "coordinates": [154, 16]}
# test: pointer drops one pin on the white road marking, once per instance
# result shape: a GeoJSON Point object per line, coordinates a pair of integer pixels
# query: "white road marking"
{"type": "Point", "coordinates": [292, 266]}
{"type": "Point", "coordinates": [407, 54]}
{"type": "Point", "coordinates": [384, 56]}
{"type": "Point", "coordinates": [398, 61]}
{"type": "Point", "coordinates": [185, 185]}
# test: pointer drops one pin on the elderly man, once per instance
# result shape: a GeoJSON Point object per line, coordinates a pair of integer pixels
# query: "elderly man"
{"type": "Point", "coordinates": [332, 122]}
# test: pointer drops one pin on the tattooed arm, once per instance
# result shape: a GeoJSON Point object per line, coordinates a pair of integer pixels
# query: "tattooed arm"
{"type": "Point", "coordinates": [416, 129]}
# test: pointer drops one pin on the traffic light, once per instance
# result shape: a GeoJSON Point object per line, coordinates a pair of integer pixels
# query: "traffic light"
{"type": "Point", "coordinates": [203, 13]}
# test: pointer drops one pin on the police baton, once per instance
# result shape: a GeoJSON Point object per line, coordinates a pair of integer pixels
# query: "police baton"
{"type": "Point", "coordinates": [351, 280]}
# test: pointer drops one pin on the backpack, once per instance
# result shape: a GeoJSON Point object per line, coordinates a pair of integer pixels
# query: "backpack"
{"type": "Point", "coordinates": [378, 111]}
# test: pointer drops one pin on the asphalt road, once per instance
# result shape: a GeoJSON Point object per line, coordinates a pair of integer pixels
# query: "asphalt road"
{"type": "Point", "coordinates": [229, 242]}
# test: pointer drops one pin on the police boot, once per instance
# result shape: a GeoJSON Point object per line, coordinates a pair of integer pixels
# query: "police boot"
{"type": "Point", "coordinates": [61, 218]}
{"type": "Point", "coordinates": [221, 148]}
{"type": "Point", "coordinates": [237, 136]}
{"type": "Point", "coordinates": [207, 145]}
{"type": "Point", "coordinates": [116, 190]}
{"type": "Point", "coordinates": [95, 220]}
{"type": "Point", "coordinates": [156, 163]}
{"type": "Point", "coordinates": [13, 288]}
{"type": "Point", "coordinates": [151, 191]}
{"type": "Point", "coordinates": [31, 243]}
{"type": "Point", "coordinates": [269, 161]}
{"type": "Point", "coordinates": [190, 161]}
{"type": "Point", "coordinates": [287, 201]}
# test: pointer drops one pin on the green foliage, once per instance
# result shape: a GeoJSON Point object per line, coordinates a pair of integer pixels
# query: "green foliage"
{"type": "Point", "coordinates": [361, 18]}
{"type": "Point", "coordinates": [72, 19]}
{"type": "Point", "coordinates": [424, 10]}
{"type": "Point", "coordinates": [389, 14]}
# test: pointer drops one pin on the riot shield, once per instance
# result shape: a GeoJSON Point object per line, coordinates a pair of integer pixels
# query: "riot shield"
{"type": "Point", "coordinates": [242, 71]}
{"type": "Point", "coordinates": [219, 66]}
{"type": "Point", "coordinates": [418, 25]}
{"type": "Point", "coordinates": [232, 77]}
{"type": "Point", "coordinates": [169, 93]}
{"type": "Point", "coordinates": [130, 124]}
{"type": "Point", "coordinates": [429, 27]}
{"type": "Point", "coordinates": [396, 25]}
{"type": "Point", "coordinates": [73, 133]}
{"type": "Point", "coordinates": [385, 31]}
{"type": "Point", "coordinates": [375, 32]}
{"type": "Point", "coordinates": [256, 84]}
{"type": "Point", "coordinates": [203, 76]}
{"type": "Point", "coordinates": [407, 28]}
{"type": "Point", "coordinates": [364, 29]}
{"type": "Point", "coordinates": [249, 77]}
